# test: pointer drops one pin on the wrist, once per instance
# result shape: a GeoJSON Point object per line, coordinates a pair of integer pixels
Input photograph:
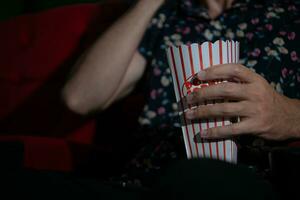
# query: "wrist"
{"type": "Point", "coordinates": [294, 119]}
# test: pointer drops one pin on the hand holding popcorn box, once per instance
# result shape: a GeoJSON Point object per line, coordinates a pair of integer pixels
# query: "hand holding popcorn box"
{"type": "Point", "coordinates": [185, 62]}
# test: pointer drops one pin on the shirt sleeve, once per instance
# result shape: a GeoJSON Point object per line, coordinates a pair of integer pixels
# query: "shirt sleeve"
{"type": "Point", "coordinates": [154, 30]}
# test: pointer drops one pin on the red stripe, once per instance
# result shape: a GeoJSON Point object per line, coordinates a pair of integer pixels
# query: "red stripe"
{"type": "Point", "coordinates": [234, 52]}
{"type": "Point", "coordinates": [231, 51]}
{"type": "Point", "coordinates": [185, 79]}
{"type": "Point", "coordinates": [178, 87]}
{"type": "Point", "coordinates": [193, 73]}
{"type": "Point", "coordinates": [200, 122]}
{"type": "Point", "coordinates": [191, 60]}
{"type": "Point", "coordinates": [203, 149]}
{"type": "Point", "coordinates": [210, 64]}
{"type": "Point", "coordinates": [220, 52]}
{"type": "Point", "coordinates": [201, 58]}
{"type": "Point", "coordinates": [182, 64]}
{"type": "Point", "coordinates": [223, 121]}
{"type": "Point", "coordinates": [210, 54]}
{"type": "Point", "coordinates": [210, 151]}
{"type": "Point", "coordinates": [221, 62]}
{"type": "Point", "coordinates": [217, 144]}
{"type": "Point", "coordinates": [227, 44]}
{"type": "Point", "coordinates": [214, 102]}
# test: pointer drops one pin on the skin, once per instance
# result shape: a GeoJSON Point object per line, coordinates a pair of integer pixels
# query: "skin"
{"type": "Point", "coordinates": [112, 59]}
{"type": "Point", "coordinates": [216, 7]}
{"type": "Point", "coordinates": [263, 111]}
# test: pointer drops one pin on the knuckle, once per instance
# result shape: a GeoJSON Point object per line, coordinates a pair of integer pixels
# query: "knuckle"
{"type": "Point", "coordinates": [204, 94]}
{"type": "Point", "coordinates": [260, 110]}
{"type": "Point", "coordinates": [242, 107]}
{"type": "Point", "coordinates": [210, 70]}
{"type": "Point", "coordinates": [197, 112]}
{"type": "Point", "coordinates": [228, 89]}
{"type": "Point", "coordinates": [204, 111]}
{"type": "Point", "coordinates": [237, 70]}
{"type": "Point", "coordinates": [248, 91]}
{"type": "Point", "coordinates": [226, 109]}
{"type": "Point", "coordinates": [240, 66]}
{"type": "Point", "coordinates": [256, 94]}
{"type": "Point", "coordinates": [252, 112]}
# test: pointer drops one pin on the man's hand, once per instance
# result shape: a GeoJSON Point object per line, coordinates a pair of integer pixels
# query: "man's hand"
{"type": "Point", "coordinates": [262, 110]}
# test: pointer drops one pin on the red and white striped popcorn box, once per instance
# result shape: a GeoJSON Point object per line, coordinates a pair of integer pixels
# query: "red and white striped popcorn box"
{"type": "Point", "coordinates": [185, 61]}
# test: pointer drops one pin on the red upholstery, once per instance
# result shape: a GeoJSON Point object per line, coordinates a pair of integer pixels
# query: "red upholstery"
{"type": "Point", "coordinates": [37, 52]}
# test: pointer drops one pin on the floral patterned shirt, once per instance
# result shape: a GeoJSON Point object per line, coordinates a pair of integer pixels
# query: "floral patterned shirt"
{"type": "Point", "coordinates": [268, 32]}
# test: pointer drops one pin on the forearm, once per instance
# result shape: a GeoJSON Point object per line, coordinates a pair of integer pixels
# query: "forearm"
{"type": "Point", "coordinates": [101, 69]}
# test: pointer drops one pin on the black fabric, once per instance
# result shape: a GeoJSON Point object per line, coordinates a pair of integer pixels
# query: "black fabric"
{"type": "Point", "coordinates": [193, 179]}
{"type": "Point", "coordinates": [11, 155]}
{"type": "Point", "coordinates": [211, 179]}
{"type": "Point", "coordinates": [50, 185]}
{"type": "Point", "coordinates": [285, 165]}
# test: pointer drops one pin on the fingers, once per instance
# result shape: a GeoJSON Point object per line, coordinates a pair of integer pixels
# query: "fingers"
{"type": "Point", "coordinates": [215, 110]}
{"type": "Point", "coordinates": [227, 72]}
{"type": "Point", "coordinates": [223, 132]}
{"type": "Point", "coordinates": [225, 90]}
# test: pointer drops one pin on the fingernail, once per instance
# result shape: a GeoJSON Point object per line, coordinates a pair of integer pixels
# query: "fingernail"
{"type": "Point", "coordinates": [200, 137]}
{"type": "Point", "coordinates": [190, 114]}
{"type": "Point", "coordinates": [203, 133]}
{"type": "Point", "coordinates": [201, 75]}
{"type": "Point", "coordinates": [189, 98]}
{"type": "Point", "coordinates": [197, 138]}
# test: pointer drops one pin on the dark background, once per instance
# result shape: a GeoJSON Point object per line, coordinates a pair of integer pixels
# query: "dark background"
{"type": "Point", "coordinates": [10, 8]}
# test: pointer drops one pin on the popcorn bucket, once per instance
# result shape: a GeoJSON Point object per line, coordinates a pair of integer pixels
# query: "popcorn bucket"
{"type": "Point", "coordinates": [185, 61]}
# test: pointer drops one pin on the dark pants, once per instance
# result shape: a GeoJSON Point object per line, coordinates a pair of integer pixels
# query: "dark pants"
{"type": "Point", "coordinates": [193, 179]}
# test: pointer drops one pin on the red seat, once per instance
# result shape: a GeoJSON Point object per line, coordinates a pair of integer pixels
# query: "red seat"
{"type": "Point", "coordinates": [37, 52]}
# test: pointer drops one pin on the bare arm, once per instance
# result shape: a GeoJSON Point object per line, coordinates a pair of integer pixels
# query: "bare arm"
{"type": "Point", "coordinates": [112, 66]}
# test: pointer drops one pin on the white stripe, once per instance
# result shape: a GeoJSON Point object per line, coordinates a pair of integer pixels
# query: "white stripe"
{"type": "Point", "coordinates": [180, 79]}
{"type": "Point", "coordinates": [169, 57]}
{"type": "Point", "coordinates": [205, 55]}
